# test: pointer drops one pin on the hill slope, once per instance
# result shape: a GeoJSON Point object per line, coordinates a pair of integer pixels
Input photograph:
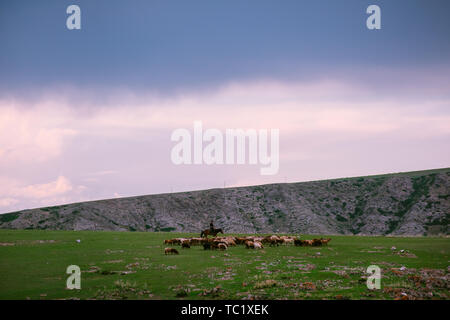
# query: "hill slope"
{"type": "Point", "coordinates": [411, 203]}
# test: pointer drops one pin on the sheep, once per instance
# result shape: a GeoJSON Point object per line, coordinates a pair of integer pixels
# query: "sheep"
{"type": "Point", "coordinates": [170, 251]}
{"type": "Point", "coordinates": [217, 242]}
{"type": "Point", "coordinates": [185, 245]}
{"type": "Point", "coordinates": [177, 240]}
{"type": "Point", "coordinates": [240, 240]}
{"type": "Point", "coordinates": [210, 246]}
{"type": "Point", "coordinates": [196, 241]}
{"type": "Point", "coordinates": [272, 240]}
{"type": "Point", "coordinates": [275, 242]}
{"type": "Point", "coordinates": [257, 245]}
{"type": "Point", "coordinates": [268, 239]}
{"type": "Point", "coordinates": [230, 241]}
{"type": "Point", "coordinates": [249, 244]}
{"type": "Point", "coordinates": [205, 240]}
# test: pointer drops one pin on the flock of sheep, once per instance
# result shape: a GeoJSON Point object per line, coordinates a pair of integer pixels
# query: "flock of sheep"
{"type": "Point", "coordinates": [250, 242]}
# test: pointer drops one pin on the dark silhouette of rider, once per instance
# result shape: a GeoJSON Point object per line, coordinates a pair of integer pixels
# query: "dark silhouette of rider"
{"type": "Point", "coordinates": [211, 226]}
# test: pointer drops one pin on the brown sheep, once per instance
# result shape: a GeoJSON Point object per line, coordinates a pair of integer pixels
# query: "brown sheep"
{"type": "Point", "coordinates": [170, 251]}
{"type": "Point", "coordinates": [210, 246]}
{"type": "Point", "coordinates": [274, 242]}
{"type": "Point", "coordinates": [325, 241]}
{"type": "Point", "coordinates": [185, 245]}
{"type": "Point", "coordinates": [196, 241]}
{"type": "Point", "coordinates": [266, 239]}
{"type": "Point", "coordinates": [240, 240]}
{"type": "Point", "coordinates": [229, 241]}
{"type": "Point", "coordinates": [249, 244]}
{"type": "Point", "coordinates": [271, 240]}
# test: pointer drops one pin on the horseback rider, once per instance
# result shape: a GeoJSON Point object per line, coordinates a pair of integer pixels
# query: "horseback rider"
{"type": "Point", "coordinates": [211, 231]}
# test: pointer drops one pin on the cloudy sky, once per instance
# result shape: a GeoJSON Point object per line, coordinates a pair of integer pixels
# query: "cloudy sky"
{"type": "Point", "coordinates": [88, 114]}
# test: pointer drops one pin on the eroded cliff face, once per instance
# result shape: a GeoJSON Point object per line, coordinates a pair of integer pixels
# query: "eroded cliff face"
{"type": "Point", "coordinates": [415, 203]}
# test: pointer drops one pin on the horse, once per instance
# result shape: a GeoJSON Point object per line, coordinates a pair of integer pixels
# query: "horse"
{"type": "Point", "coordinates": [208, 232]}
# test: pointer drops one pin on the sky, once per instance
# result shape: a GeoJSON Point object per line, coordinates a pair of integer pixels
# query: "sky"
{"type": "Point", "coordinates": [88, 114]}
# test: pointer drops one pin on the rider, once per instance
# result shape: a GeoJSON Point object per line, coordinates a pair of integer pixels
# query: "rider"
{"type": "Point", "coordinates": [211, 226]}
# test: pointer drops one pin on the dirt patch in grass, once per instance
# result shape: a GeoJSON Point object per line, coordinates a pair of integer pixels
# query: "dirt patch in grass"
{"type": "Point", "coordinates": [415, 284]}
{"type": "Point", "coordinates": [212, 293]}
{"type": "Point", "coordinates": [123, 290]}
{"type": "Point", "coordinates": [266, 284]}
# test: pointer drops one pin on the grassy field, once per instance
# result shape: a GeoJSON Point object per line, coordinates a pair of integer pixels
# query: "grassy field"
{"type": "Point", "coordinates": [132, 265]}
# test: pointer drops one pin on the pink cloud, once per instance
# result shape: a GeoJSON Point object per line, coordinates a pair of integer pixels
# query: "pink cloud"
{"type": "Point", "coordinates": [328, 128]}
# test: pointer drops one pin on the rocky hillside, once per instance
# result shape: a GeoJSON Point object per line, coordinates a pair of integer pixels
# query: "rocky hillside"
{"type": "Point", "coordinates": [412, 203]}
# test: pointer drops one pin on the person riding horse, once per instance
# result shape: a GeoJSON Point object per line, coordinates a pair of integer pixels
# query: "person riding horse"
{"type": "Point", "coordinates": [211, 231]}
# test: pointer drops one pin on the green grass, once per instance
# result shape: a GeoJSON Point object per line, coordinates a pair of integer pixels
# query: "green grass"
{"type": "Point", "coordinates": [33, 265]}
